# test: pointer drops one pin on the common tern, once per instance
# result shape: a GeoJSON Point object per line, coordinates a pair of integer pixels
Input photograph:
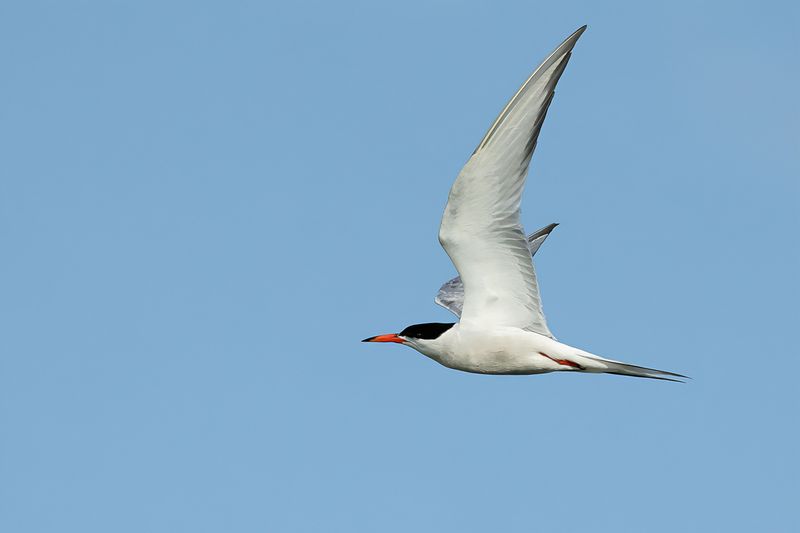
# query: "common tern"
{"type": "Point", "coordinates": [502, 328]}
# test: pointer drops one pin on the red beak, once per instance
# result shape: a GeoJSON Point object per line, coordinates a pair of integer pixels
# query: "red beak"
{"type": "Point", "coordinates": [391, 337]}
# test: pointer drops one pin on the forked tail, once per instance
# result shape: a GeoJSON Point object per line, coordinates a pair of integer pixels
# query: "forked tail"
{"type": "Point", "coordinates": [595, 363]}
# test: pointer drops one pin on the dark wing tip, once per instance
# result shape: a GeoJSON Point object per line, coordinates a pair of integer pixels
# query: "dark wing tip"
{"type": "Point", "coordinates": [542, 232]}
{"type": "Point", "coordinates": [572, 39]}
{"type": "Point", "coordinates": [561, 53]}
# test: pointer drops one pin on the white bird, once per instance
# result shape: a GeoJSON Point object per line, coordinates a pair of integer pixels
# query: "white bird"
{"type": "Point", "coordinates": [502, 328]}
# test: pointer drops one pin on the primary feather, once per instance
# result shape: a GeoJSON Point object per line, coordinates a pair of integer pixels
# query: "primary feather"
{"type": "Point", "coordinates": [481, 229]}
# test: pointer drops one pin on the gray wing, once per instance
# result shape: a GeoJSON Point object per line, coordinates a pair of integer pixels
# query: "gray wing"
{"type": "Point", "coordinates": [481, 229]}
{"type": "Point", "coordinates": [451, 294]}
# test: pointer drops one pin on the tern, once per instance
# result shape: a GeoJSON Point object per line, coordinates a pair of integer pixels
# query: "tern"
{"type": "Point", "coordinates": [502, 328]}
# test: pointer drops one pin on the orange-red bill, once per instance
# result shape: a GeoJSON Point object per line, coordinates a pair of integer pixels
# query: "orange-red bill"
{"type": "Point", "coordinates": [391, 337]}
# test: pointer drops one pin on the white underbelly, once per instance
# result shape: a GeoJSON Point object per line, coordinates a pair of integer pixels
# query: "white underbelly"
{"type": "Point", "coordinates": [502, 351]}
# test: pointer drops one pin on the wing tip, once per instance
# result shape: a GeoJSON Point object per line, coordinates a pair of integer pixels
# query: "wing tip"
{"type": "Point", "coordinates": [543, 232]}
{"type": "Point", "coordinates": [577, 33]}
{"type": "Point", "coordinates": [574, 36]}
{"type": "Point", "coordinates": [562, 52]}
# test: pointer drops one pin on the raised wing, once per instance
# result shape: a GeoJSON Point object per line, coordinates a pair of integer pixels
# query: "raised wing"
{"type": "Point", "coordinates": [451, 294]}
{"type": "Point", "coordinates": [481, 230]}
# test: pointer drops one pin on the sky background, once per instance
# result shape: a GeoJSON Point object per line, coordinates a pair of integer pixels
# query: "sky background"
{"type": "Point", "coordinates": [204, 207]}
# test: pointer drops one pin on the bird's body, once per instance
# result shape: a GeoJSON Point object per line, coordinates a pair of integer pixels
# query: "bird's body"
{"type": "Point", "coordinates": [502, 350]}
{"type": "Point", "coordinates": [510, 350]}
{"type": "Point", "coordinates": [502, 328]}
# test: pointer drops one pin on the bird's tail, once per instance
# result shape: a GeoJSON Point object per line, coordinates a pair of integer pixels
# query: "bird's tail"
{"type": "Point", "coordinates": [595, 363]}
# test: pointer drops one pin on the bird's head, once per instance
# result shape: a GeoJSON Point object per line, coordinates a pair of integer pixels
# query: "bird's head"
{"type": "Point", "coordinates": [419, 336]}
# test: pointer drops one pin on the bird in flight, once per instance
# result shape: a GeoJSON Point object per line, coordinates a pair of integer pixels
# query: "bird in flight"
{"type": "Point", "coordinates": [502, 328]}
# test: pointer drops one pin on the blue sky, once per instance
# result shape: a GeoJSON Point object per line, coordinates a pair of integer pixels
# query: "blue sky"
{"type": "Point", "coordinates": [205, 206]}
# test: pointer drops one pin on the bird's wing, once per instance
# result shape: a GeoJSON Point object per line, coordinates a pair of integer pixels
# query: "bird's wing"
{"type": "Point", "coordinates": [451, 294]}
{"type": "Point", "coordinates": [481, 230]}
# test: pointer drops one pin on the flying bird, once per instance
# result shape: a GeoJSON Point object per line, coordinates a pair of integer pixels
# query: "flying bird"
{"type": "Point", "coordinates": [501, 327]}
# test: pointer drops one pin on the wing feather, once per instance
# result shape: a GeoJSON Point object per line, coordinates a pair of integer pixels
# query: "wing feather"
{"type": "Point", "coordinates": [451, 293]}
{"type": "Point", "coordinates": [481, 229]}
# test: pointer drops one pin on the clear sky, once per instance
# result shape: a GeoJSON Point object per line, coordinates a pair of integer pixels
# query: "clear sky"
{"type": "Point", "coordinates": [205, 206]}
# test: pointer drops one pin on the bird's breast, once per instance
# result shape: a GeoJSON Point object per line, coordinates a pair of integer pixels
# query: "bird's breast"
{"type": "Point", "coordinates": [492, 351]}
